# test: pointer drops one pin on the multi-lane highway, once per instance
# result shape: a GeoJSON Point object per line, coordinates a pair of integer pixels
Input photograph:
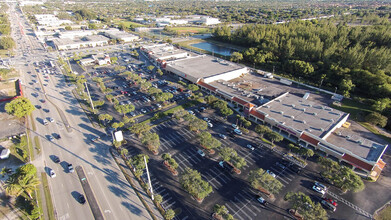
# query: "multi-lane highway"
{"type": "Point", "coordinates": [116, 198]}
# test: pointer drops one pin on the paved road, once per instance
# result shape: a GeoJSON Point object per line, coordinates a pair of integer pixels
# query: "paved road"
{"type": "Point", "coordinates": [115, 196]}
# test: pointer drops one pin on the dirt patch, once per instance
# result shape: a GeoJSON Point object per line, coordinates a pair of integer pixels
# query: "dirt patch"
{"type": "Point", "coordinates": [13, 125]}
{"type": "Point", "coordinates": [7, 90]}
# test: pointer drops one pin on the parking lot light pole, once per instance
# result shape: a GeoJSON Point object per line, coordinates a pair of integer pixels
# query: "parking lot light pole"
{"type": "Point", "coordinates": [149, 178]}
{"type": "Point", "coordinates": [88, 92]}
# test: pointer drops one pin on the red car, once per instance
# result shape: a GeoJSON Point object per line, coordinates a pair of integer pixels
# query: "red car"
{"type": "Point", "coordinates": [332, 202]}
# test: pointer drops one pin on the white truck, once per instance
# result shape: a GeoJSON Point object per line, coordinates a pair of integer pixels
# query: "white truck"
{"type": "Point", "coordinates": [5, 153]}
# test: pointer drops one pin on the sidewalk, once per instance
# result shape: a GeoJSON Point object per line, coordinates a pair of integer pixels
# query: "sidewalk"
{"type": "Point", "coordinates": [136, 185]}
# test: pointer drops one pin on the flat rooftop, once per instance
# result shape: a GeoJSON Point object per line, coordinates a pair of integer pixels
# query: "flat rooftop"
{"type": "Point", "coordinates": [97, 38]}
{"type": "Point", "coordinates": [357, 144]}
{"type": "Point", "coordinates": [302, 115]}
{"type": "Point", "coordinates": [203, 66]}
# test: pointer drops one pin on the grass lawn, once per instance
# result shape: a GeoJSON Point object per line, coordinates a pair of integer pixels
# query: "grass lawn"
{"type": "Point", "coordinates": [357, 110]}
{"type": "Point", "coordinates": [129, 23]}
{"type": "Point", "coordinates": [384, 214]}
{"type": "Point", "coordinates": [195, 30]}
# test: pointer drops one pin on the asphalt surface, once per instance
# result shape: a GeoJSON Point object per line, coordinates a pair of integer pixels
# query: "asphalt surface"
{"type": "Point", "coordinates": [116, 197]}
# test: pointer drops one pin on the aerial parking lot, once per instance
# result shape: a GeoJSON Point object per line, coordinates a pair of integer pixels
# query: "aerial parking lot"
{"type": "Point", "coordinates": [231, 186]}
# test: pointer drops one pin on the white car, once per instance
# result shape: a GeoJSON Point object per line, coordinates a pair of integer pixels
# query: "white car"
{"type": "Point", "coordinates": [191, 112]}
{"type": "Point", "coordinates": [51, 119]}
{"type": "Point", "coordinates": [206, 119]}
{"type": "Point", "coordinates": [319, 190]}
{"type": "Point", "coordinates": [262, 200]}
{"type": "Point", "coordinates": [323, 187]}
{"type": "Point", "coordinates": [51, 138]}
{"type": "Point", "coordinates": [201, 153]}
{"type": "Point", "coordinates": [210, 125]}
{"type": "Point", "coordinates": [249, 146]}
{"type": "Point", "coordinates": [271, 173]}
{"type": "Point", "coordinates": [223, 136]}
{"type": "Point", "coordinates": [52, 174]}
{"type": "Point", "coordinates": [143, 111]}
{"type": "Point", "coordinates": [237, 131]}
{"type": "Point", "coordinates": [235, 126]}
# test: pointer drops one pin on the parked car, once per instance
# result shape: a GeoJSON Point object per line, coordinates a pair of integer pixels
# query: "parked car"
{"type": "Point", "coordinates": [321, 186]}
{"type": "Point", "coordinates": [249, 146]}
{"type": "Point", "coordinates": [52, 174]}
{"type": "Point", "coordinates": [70, 168]}
{"type": "Point", "coordinates": [56, 159]}
{"type": "Point", "coordinates": [210, 125]}
{"type": "Point", "coordinates": [223, 136]}
{"type": "Point", "coordinates": [262, 200]}
{"type": "Point", "coordinates": [143, 111]}
{"type": "Point", "coordinates": [328, 205]}
{"type": "Point", "coordinates": [51, 138]}
{"type": "Point", "coordinates": [206, 119]}
{"type": "Point", "coordinates": [51, 119]}
{"type": "Point", "coordinates": [201, 153]}
{"type": "Point", "coordinates": [319, 190]}
{"type": "Point", "coordinates": [82, 199]}
{"type": "Point", "coordinates": [45, 122]}
{"type": "Point", "coordinates": [235, 126]}
{"type": "Point", "coordinates": [237, 131]}
{"type": "Point", "coordinates": [271, 173]}
{"type": "Point", "coordinates": [57, 136]}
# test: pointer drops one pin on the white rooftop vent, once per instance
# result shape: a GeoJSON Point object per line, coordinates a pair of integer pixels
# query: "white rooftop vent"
{"type": "Point", "coordinates": [266, 106]}
{"type": "Point", "coordinates": [283, 122]}
{"type": "Point", "coordinates": [278, 100]}
{"type": "Point", "coordinates": [321, 129]}
{"type": "Point", "coordinates": [293, 105]}
{"type": "Point", "coordinates": [347, 137]}
{"type": "Point", "coordinates": [291, 116]}
{"type": "Point", "coordinates": [302, 109]}
{"type": "Point", "coordinates": [314, 113]}
{"type": "Point", "coordinates": [281, 112]}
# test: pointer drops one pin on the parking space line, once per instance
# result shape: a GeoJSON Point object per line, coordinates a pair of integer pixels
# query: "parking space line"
{"type": "Point", "coordinates": [248, 201]}
{"type": "Point", "coordinates": [240, 209]}
{"type": "Point", "coordinates": [171, 204]}
{"type": "Point", "coordinates": [233, 211]}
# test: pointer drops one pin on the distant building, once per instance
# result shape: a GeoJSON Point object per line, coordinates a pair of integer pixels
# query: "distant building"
{"type": "Point", "coordinates": [120, 35]}
{"type": "Point", "coordinates": [95, 21]}
{"type": "Point", "coordinates": [97, 59]}
{"type": "Point", "coordinates": [210, 21]}
{"type": "Point", "coordinates": [50, 20]}
{"type": "Point", "coordinates": [30, 3]}
{"type": "Point", "coordinates": [76, 34]}
{"type": "Point", "coordinates": [88, 41]}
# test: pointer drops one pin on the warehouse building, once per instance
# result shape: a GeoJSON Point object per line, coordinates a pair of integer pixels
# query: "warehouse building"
{"type": "Point", "coordinates": [120, 35]}
{"type": "Point", "coordinates": [309, 124]}
{"type": "Point", "coordinates": [88, 41]}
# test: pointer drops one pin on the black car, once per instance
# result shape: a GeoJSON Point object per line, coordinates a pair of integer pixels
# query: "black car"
{"type": "Point", "coordinates": [56, 159]}
{"type": "Point", "coordinates": [296, 168]}
{"type": "Point", "coordinates": [82, 199]}
{"type": "Point", "coordinates": [57, 136]}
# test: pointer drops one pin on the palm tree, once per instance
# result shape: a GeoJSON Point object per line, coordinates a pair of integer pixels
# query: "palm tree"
{"type": "Point", "coordinates": [21, 184]}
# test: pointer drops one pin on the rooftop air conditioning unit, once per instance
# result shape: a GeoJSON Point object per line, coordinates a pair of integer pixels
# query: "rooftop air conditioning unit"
{"type": "Point", "coordinates": [281, 112]}
{"type": "Point", "coordinates": [291, 116]}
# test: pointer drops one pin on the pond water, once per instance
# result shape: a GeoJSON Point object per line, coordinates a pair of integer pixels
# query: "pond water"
{"type": "Point", "coordinates": [214, 48]}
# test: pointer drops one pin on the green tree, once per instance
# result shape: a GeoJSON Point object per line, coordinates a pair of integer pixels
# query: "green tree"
{"type": "Point", "coordinates": [306, 152]}
{"type": "Point", "coordinates": [382, 104]}
{"type": "Point", "coordinates": [260, 178]}
{"type": "Point", "coordinates": [274, 137]}
{"type": "Point", "coordinates": [169, 214]}
{"type": "Point", "coordinates": [222, 211]}
{"type": "Point", "coordinates": [346, 86]}
{"type": "Point", "coordinates": [16, 185]}
{"type": "Point", "coordinates": [19, 107]}
{"type": "Point", "coordinates": [236, 57]}
{"type": "Point", "coordinates": [113, 60]}
{"type": "Point", "coordinates": [208, 141]}
{"type": "Point", "coordinates": [193, 87]}
{"type": "Point", "coordinates": [124, 109]}
{"type": "Point", "coordinates": [158, 198]}
{"type": "Point", "coordinates": [151, 141]}
{"type": "Point", "coordinates": [262, 130]}
{"type": "Point", "coordinates": [376, 118]}
{"type": "Point", "coordinates": [144, 86]}
{"type": "Point", "coordinates": [159, 72]}
{"type": "Point", "coordinates": [150, 68]}
{"type": "Point", "coordinates": [117, 125]}
{"type": "Point", "coordinates": [192, 182]}
{"type": "Point", "coordinates": [124, 152]}
{"type": "Point", "coordinates": [68, 28]}
{"type": "Point", "coordinates": [138, 161]}
{"type": "Point", "coordinates": [226, 112]}
{"type": "Point", "coordinates": [105, 118]}
{"type": "Point", "coordinates": [210, 99]}
{"type": "Point", "coordinates": [305, 206]}
{"type": "Point", "coordinates": [140, 128]}
{"type": "Point", "coordinates": [6, 43]}
{"type": "Point", "coordinates": [196, 124]}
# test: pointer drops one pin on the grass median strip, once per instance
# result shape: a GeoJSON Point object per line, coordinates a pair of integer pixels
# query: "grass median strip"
{"type": "Point", "coordinates": [129, 179]}
{"type": "Point", "coordinates": [48, 197]}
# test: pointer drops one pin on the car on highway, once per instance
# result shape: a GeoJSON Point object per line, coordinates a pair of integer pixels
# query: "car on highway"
{"type": "Point", "coordinates": [237, 131]}
{"type": "Point", "coordinates": [318, 190]}
{"type": "Point", "coordinates": [271, 173]}
{"type": "Point", "coordinates": [57, 136]}
{"type": "Point", "coordinates": [70, 168]}
{"type": "Point", "coordinates": [201, 153]}
{"type": "Point", "coordinates": [81, 199]}
{"type": "Point", "coordinates": [52, 174]}
{"type": "Point", "coordinates": [56, 159]}
{"type": "Point", "coordinates": [222, 136]}
{"type": "Point", "coordinates": [262, 200]}
{"type": "Point", "coordinates": [249, 146]}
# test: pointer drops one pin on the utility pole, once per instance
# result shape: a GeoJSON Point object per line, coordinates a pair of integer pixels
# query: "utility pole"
{"type": "Point", "coordinates": [149, 178]}
{"type": "Point", "coordinates": [88, 92]}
